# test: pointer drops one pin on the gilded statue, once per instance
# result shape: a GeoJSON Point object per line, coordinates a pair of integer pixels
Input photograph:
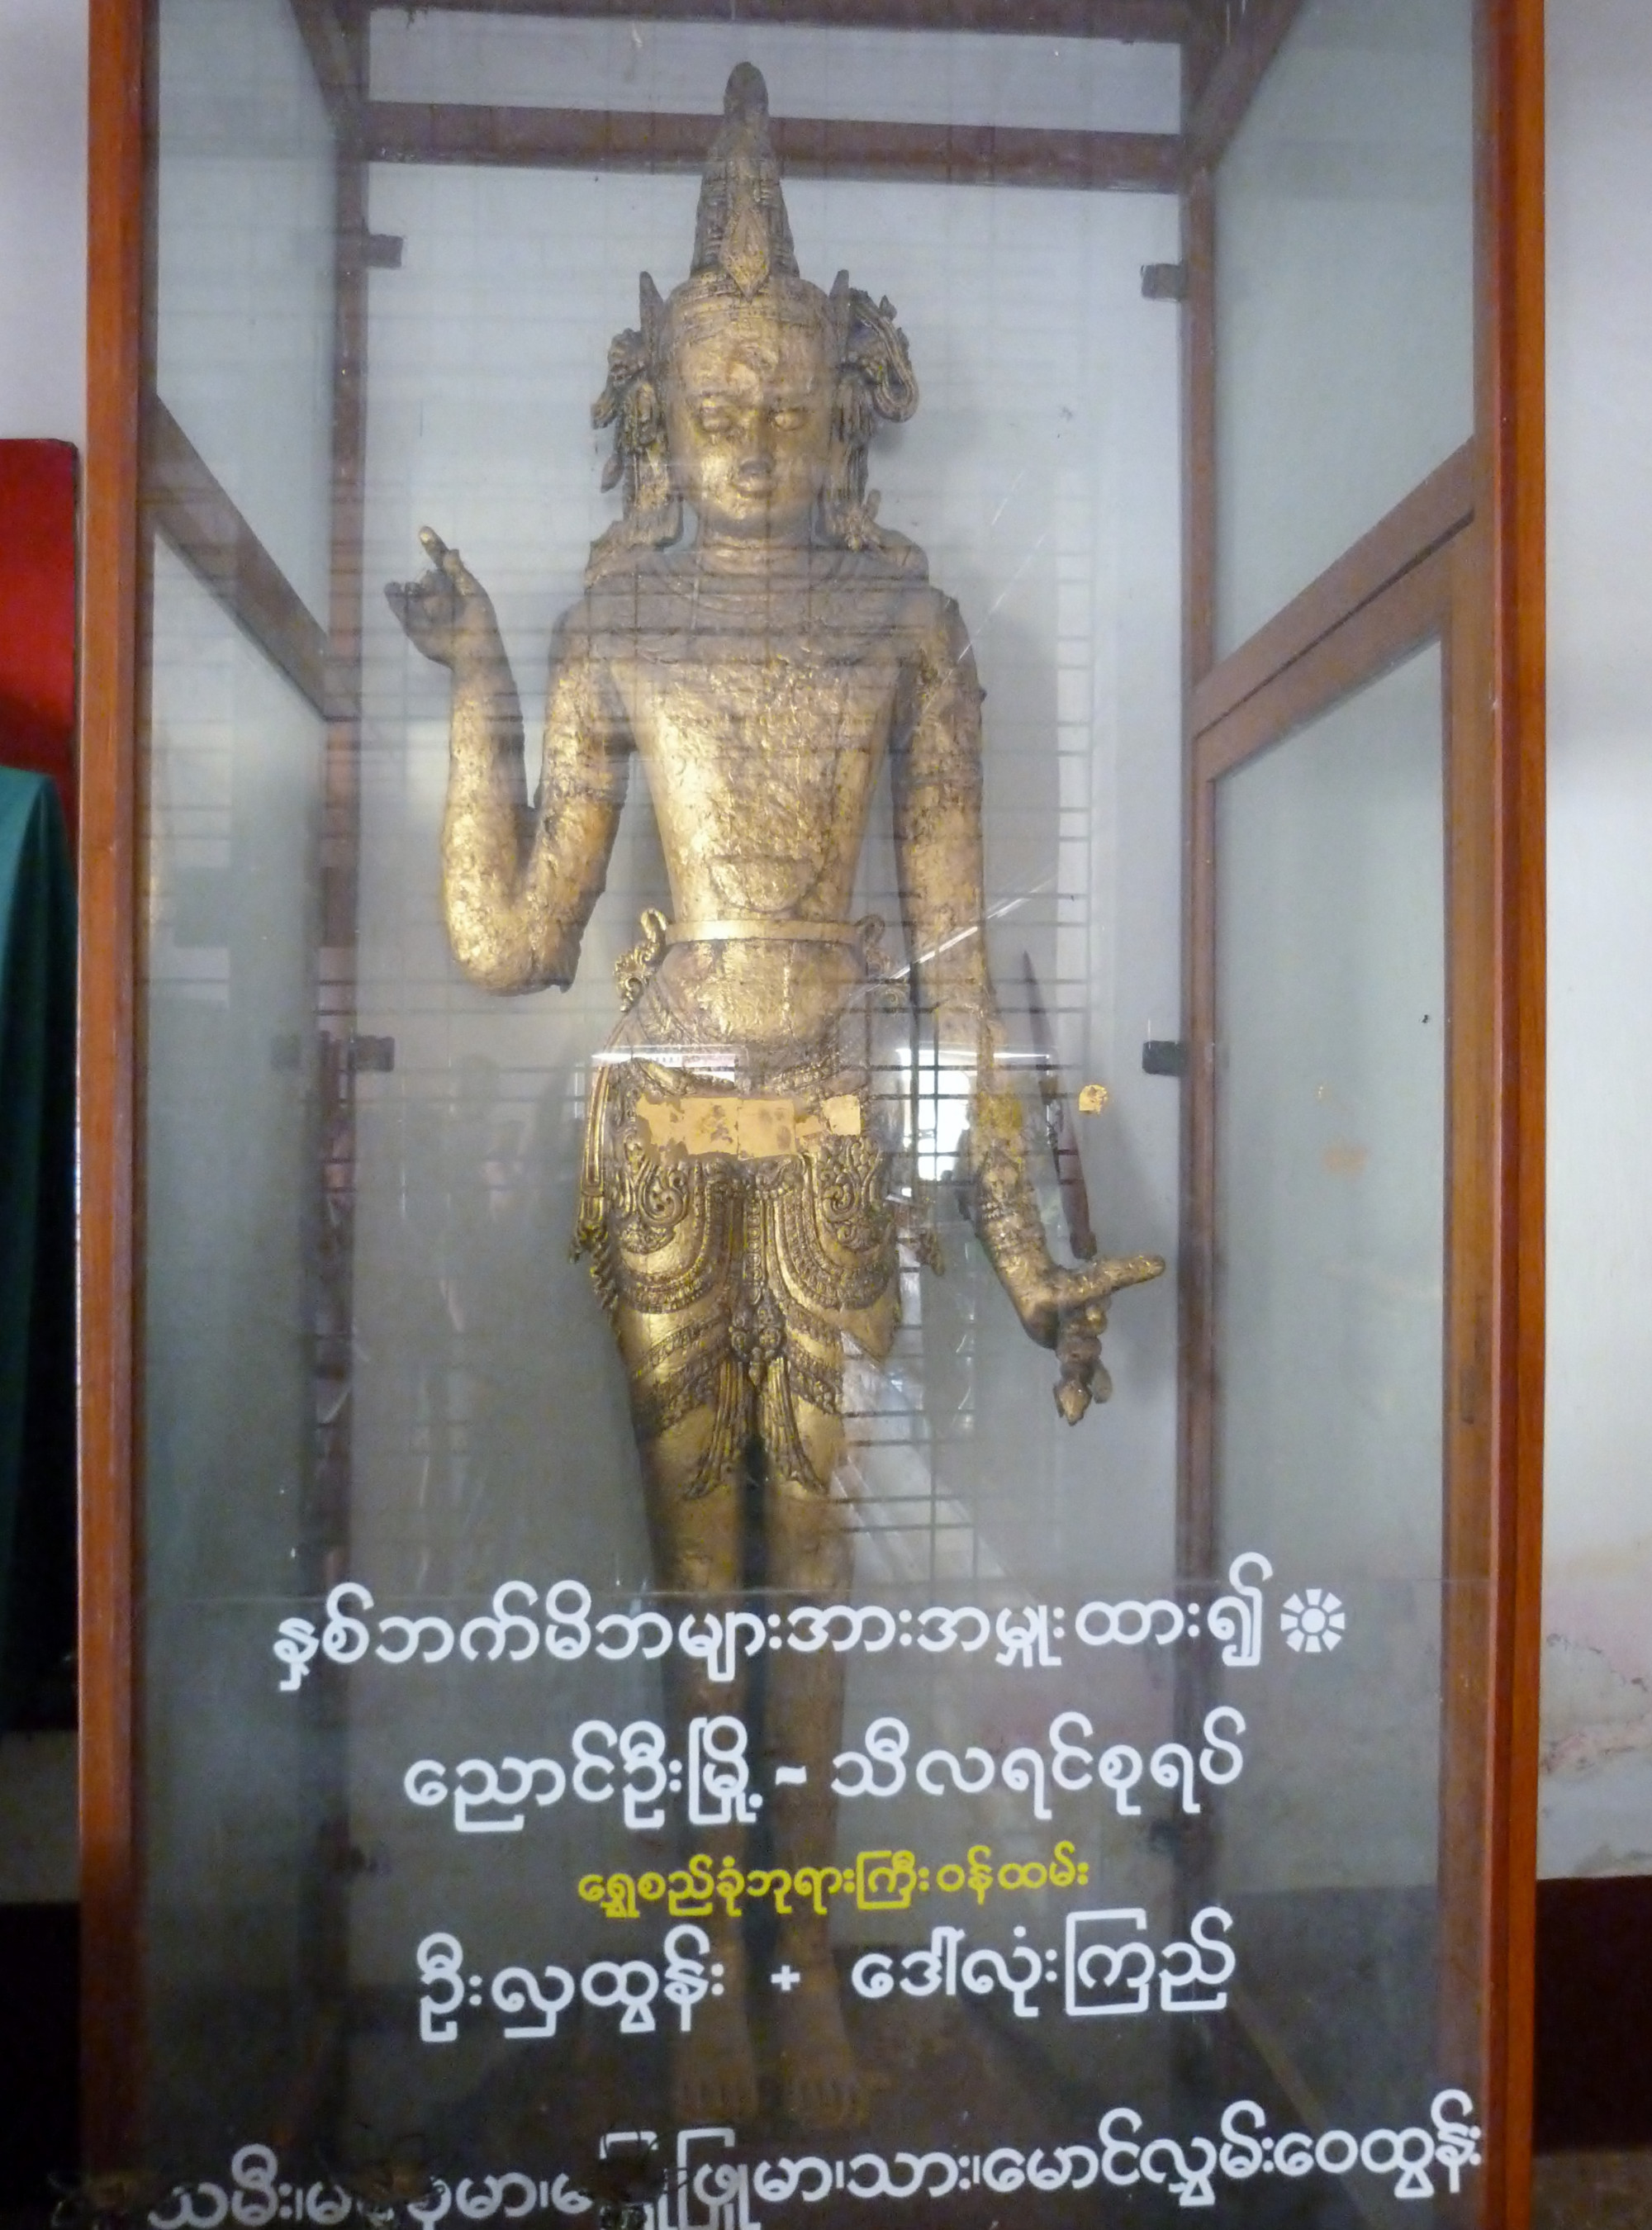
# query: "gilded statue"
{"type": "Point", "coordinates": [738, 1200]}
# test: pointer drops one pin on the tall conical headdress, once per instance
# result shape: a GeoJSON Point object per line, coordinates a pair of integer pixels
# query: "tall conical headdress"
{"type": "Point", "coordinates": [741, 229]}
{"type": "Point", "coordinates": [743, 249]}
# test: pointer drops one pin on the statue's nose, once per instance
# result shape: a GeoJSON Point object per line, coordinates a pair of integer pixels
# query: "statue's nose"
{"type": "Point", "coordinates": [757, 466]}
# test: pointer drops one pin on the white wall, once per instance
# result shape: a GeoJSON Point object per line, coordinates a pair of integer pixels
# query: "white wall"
{"type": "Point", "coordinates": [42, 218]}
{"type": "Point", "coordinates": [1597, 1693]}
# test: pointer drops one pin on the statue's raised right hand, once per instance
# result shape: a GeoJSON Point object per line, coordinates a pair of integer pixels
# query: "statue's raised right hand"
{"type": "Point", "coordinates": [448, 615]}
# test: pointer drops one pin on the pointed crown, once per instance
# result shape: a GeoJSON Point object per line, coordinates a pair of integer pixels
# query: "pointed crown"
{"type": "Point", "coordinates": [744, 251]}
{"type": "Point", "coordinates": [741, 229]}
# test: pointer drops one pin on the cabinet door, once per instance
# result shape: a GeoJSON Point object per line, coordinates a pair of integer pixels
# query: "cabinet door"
{"type": "Point", "coordinates": [749, 1728]}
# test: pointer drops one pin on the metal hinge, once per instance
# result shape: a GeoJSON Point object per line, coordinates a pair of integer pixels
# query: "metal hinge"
{"type": "Point", "coordinates": [1164, 282]}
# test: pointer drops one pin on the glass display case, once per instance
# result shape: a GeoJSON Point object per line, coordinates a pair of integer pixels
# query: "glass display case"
{"type": "Point", "coordinates": [809, 1064]}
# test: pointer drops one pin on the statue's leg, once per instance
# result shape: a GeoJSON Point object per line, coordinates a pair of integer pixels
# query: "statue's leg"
{"type": "Point", "coordinates": [809, 1554]}
{"type": "Point", "coordinates": [695, 1496]}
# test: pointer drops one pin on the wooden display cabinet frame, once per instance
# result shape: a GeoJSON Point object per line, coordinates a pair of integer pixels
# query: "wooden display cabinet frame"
{"type": "Point", "coordinates": [1462, 558]}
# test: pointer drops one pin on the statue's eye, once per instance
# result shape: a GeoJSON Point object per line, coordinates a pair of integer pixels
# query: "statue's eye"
{"type": "Point", "coordinates": [786, 421]}
{"type": "Point", "coordinates": [713, 418]}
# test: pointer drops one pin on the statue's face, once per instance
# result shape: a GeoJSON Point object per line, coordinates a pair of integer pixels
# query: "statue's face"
{"type": "Point", "coordinates": [748, 422]}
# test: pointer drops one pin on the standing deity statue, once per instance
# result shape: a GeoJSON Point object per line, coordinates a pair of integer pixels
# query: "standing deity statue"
{"type": "Point", "coordinates": [738, 1200]}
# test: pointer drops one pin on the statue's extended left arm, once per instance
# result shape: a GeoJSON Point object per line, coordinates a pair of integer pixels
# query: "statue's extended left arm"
{"type": "Point", "coordinates": [937, 782]}
{"type": "Point", "coordinates": [518, 881]}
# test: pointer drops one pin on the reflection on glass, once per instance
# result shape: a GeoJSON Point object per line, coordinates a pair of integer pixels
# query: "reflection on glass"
{"type": "Point", "coordinates": [492, 1435]}
{"type": "Point", "coordinates": [245, 251]}
{"type": "Point", "coordinates": [235, 767]}
{"type": "Point", "coordinates": [1331, 1179]}
{"type": "Point", "coordinates": [1345, 292]}
{"type": "Point", "coordinates": [743, 1198]}
{"type": "Point", "coordinates": [1056, 533]}
{"type": "Point", "coordinates": [849, 1792]}
{"type": "Point", "coordinates": [1331, 1100]}
{"type": "Point", "coordinates": [902, 76]}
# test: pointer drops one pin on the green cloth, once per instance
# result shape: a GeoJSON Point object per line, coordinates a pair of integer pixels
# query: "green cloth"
{"type": "Point", "coordinates": [36, 1255]}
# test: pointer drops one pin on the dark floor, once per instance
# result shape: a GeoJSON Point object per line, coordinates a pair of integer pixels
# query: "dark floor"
{"type": "Point", "coordinates": [1593, 2191]}
{"type": "Point", "coordinates": [39, 2046]}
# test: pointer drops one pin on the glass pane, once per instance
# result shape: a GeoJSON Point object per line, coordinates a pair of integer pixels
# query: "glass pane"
{"type": "Point", "coordinates": [1345, 292]}
{"type": "Point", "coordinates": [1331, 1177]}
{"type": "Point", "coordinates": [493, 1437]}
{"type": "Point", "coordinates": [729, 1682]}
{"type": "Point", "coordinates": [479, 427]}
{"type": "Point", "coordinates": [235, 776]}
{"type": "Point", "coordinates": [1084, 85]}
{"type": "Point", "coordinates": [244, 243]}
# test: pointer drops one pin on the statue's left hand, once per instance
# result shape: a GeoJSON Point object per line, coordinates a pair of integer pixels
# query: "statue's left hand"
{"type": "Point", "coordinates": [1067, 1308]}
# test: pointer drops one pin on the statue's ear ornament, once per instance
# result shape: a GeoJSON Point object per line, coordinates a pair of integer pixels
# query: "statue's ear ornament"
{"type": "Point", "coordinates": [627, 364]}
{"type": "Point", "coordinates": [839, 316]}
{"type": "Point", "coordinates": [875, 380]}
{"type": "Point", "coordinates": [653, 313]}
{"type": "Point", "coordinates": [630, 404]}
{"type": "Point", "coordinates": [875, 347]}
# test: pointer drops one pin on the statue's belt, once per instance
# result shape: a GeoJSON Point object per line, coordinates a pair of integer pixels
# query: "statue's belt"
{"type": "Point", "coordinates": [739, 929]}
{"type": "Point", "coordinates": [752, 1130]}
{"type": "Point", "coordinates": [757, 1129]}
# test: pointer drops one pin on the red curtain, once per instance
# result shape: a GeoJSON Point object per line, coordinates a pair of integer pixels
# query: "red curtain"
{"type": "Point", "coordinates": [37, 599]}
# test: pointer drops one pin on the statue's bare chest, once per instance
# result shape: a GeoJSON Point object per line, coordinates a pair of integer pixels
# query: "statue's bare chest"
{"type": "Point", "coordinates": [737, 722]}
{"type": "Point", "coordinates": [763, 745]}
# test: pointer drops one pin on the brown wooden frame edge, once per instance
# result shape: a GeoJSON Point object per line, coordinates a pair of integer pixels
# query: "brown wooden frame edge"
{"type": "Point", "coordinates": [1512, 407]}
{"type": "Point", "coordinates": [626, 139]}
{"type": "Point", "coordinates": [1506, 549]}
{"type": "Point", "coordinates": [1420, 524]}
{"type": "Point", "coordinates": [108, 1088]}
{"type": "Point", "coordinates": [332, 51]}
{"type": "Point", "coordinates": [1155, 22]}
{"type": "Point", "coordinates": [1416, 603]}
{"type": "Point", "coordinates": [1441, 597]}
{"type": "Point", "coordinates": [1232, 86]}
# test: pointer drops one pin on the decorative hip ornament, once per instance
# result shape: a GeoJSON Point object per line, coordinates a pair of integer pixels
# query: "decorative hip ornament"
{"type": "Point", "coordinates": [737, 1201]}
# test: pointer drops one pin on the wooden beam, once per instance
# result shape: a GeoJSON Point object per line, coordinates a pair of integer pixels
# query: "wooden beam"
{"type": "Point", "coordinates": [1232, 86]}
{"type": "Point", "coordinates": [625, 139]}
{"type": "Point", "coordinates": [181, 497]}
{"type": "Point", "coordinates": [1372, 637]}
{"type": "Point", "coordinates": [1201, 50]}
{"type": "Point", "coordinates": [1511, 420]}
{"type": "Point", "coordinates": [331, 58]}
{"type": "Point", "coordinates": [110, 1555]}
{"type": "Point", "coordinates": [1416, 527]}
{"type": "Point", "coordinates": [1196, 1529]}
{"type": "Point", "coordinates": [1150, 22]}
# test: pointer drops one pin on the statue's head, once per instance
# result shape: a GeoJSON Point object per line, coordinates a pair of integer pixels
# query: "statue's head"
{"type": "Point", "coordinates": [751, 395]}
